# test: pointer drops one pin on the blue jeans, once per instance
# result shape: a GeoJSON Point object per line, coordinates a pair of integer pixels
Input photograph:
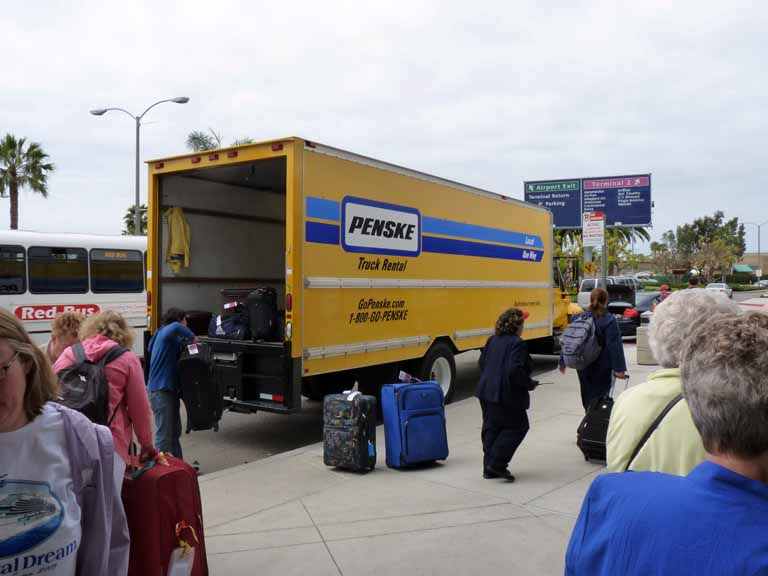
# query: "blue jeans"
{"type": "Point", "coordinates": [165, 406]}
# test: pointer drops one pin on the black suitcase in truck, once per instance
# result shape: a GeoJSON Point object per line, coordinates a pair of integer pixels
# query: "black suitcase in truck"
{"type": "Point", "coordinates": [199, 389]}
{"type": "Point", "coordinates": [261, 306]}
{"type": "Point", "coordinates": [349, 431]}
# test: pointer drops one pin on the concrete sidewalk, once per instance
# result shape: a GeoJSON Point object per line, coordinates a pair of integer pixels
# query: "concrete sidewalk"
{"type": "Point", "coordinates": [290, 514]}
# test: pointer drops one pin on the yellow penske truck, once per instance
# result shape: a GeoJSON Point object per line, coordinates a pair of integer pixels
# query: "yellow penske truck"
{"type": "Point", "coordinates": [376, 268]}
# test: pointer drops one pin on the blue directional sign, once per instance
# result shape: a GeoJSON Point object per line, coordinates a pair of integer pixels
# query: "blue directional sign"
{"type": "Point", "coordinates": [625, 200]}
{"type": "Point", "coordinates": [562, 197]}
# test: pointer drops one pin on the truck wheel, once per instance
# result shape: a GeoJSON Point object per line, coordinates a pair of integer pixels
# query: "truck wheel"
{"type": "Point", "coordinates": [439, 366]}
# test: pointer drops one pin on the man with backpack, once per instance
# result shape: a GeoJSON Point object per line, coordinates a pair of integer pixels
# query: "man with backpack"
{"type": "Point", "coordinates": [164, 351]}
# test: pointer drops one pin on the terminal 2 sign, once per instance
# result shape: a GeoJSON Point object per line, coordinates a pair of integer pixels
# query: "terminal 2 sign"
{"type": "Point", "coordinates": [625, 200]}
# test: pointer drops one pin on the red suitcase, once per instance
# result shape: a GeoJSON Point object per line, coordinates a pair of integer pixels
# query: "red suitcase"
{"type": "Point", "coordinates": [160, 501]}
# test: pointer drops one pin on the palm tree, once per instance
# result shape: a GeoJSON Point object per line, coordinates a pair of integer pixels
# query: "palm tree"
{"type": "Point", "coordinates": [22, 167]}
{"type": "Point", "coordinates": [129, 220]}
{"type": "Point", "coordinates": [199, 141]}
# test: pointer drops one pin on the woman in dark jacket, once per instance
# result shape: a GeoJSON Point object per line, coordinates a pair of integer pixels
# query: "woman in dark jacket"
{"type": "Point", "coordinates": [596, 379]}
{"type": "Point", "coordinates": [503, 393]}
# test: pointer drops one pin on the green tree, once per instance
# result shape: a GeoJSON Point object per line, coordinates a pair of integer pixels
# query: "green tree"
{"type": "Point", "coordinates": [711, 236]}
{"type": "Point", "coordinates": [130, 218]}
{"type": "Point", "coordinates": [22, 166]}
{"type": "Point", "coordinates": [199, 141]}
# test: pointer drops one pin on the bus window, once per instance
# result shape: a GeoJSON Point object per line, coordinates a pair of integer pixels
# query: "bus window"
{"type": "Point", "coordinates": [58, 270]}
{"type": "Point", "coordinates": [117, 271]}
{"type": "Point", "coordinates": [13, 270]}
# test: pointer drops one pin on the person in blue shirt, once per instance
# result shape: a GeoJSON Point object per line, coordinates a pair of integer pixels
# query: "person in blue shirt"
{"type": "Point", "coordinates": [715, 520]}
{"type": "Point", "coordinates": [596, 379]}
{"type": "Point", "coordinates": [164, 351]}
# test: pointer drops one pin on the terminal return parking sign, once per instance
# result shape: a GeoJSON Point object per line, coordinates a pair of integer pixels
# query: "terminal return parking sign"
{"type": "Point", "coordinates": [562, 197]}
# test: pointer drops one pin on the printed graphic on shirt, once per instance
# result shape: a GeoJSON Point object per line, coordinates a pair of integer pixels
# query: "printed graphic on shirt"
{"type": "Point", "coordinates": [30, 515]}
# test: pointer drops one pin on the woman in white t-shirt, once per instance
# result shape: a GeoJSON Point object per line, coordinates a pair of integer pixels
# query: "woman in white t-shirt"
{"type": "Point", "coordinates": [59, 511]}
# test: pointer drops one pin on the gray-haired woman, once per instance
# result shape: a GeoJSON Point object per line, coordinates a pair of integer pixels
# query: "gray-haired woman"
{"type": "Point", "coordinates": [675, 446]}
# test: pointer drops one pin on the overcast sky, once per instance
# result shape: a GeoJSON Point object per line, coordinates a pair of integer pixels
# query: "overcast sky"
{"type": "Point", "coordinates": [486, 93]}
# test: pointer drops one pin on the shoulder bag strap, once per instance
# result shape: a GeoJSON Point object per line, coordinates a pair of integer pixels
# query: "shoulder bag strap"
{"type": "Point", "coordinates": [652, 428]}
{"type": "Point", "coordinates": [79, 352]}
{"type": "Point", "coordinates": [111, 356]}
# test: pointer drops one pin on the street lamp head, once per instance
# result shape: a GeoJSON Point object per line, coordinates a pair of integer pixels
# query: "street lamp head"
{"type": "Point", "coordinates": [98, 111]}
{"type": "Point", "coordinates": [180, 100]}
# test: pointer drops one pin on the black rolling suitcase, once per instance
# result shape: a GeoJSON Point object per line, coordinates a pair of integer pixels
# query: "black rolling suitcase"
{"type": "Point", "coordinates": [199, 390]}
{"type": "Point", "coordinates": [593, 430]}
{"type": "Point", "coordinates": [261, 305]}
{"type": "Point", "coordinates": [349, 431]}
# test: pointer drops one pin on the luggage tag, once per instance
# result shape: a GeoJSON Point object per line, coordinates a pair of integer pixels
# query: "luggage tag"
{"type": "Point", "coordinates": [406, 378]}
{"type": "Point", "coordinates": [183, 557]}
{"type": "Point", "coordinates": [192, 349]}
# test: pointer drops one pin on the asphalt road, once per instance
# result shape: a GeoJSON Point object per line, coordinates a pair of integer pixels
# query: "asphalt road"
{"type": "Point", "coordinates": [245, 438]}
{"type": "Point", "coordinates": [741, 296]}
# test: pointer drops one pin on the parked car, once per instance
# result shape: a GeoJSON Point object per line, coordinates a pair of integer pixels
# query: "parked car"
{"type": "Point", "coordinates": [628, 315]}
{"type": "Point", "coordinates": [586, 287]}
{"type": "Point", "coordinates": [721, 287]}
{"type": "Point", "coordinates": [589, 284]}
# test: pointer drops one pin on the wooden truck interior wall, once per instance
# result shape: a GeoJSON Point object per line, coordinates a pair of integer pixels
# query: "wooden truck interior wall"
{"type": "Point", "coordinates": [236, 216]}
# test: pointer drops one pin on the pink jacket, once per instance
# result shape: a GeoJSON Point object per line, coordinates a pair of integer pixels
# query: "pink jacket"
{"type": "Point", "coordinates": [127, 392]}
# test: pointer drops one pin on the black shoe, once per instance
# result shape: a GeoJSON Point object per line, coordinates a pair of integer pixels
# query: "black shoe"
{"type": "Point", "coordinates": [490, 472]}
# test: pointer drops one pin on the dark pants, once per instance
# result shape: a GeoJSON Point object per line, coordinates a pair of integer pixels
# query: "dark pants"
{"type": "Point", "coordinates": [593, 387]}
{"type": "Point", "coordinates": [503, 431]}
{"type": "Point", "coordinates": [166, 406]}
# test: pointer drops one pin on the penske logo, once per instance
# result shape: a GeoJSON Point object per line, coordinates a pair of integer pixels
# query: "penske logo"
{"type": "Point", "coordinates": [379, 228]}
{"type": "Point", "coordinates": [49, 312]}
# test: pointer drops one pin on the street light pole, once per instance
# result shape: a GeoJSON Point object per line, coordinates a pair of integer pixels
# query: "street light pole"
{"type": "Point", "coordinates": [137, 209]}
{"type": "Point", "coordinates": [137, 119]}
{"type": "Point", "coordinates": [759, 253]}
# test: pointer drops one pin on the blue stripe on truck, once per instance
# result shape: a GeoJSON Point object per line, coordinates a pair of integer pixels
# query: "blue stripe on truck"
{"type": "Point", "coordinates": [483, 233]}
{"type": "Point", "coordinates": [321, 233]}
{"type": "Point", "coordinates": [464, 248]}
{"type": "Point", "coordinates": [323, 209]}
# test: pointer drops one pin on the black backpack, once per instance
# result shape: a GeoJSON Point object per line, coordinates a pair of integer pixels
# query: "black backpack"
{"type": "Point", "coordinates": [84, 385]}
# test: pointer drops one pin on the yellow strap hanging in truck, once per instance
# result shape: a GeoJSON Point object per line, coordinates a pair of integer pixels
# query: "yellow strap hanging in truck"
{"type": "Point", "coordinates": [177, 253]}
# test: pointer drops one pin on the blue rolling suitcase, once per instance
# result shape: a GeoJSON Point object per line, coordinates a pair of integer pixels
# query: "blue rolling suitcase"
{"type": "Point", "coordinates": [414, 423]}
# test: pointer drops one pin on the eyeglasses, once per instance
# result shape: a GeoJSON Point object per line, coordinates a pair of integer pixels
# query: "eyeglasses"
{"type": "Point", "coordinates": [7, 366]}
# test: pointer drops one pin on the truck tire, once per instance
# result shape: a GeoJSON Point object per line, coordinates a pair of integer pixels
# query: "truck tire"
{"type": "Point", "coordinates": [439, 365]}
{"type": "Point", "coordinates": [317, 387]}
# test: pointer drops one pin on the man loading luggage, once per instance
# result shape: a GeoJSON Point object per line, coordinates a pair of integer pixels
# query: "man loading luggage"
{"type": "Point", "coordinates": [164, 350]}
